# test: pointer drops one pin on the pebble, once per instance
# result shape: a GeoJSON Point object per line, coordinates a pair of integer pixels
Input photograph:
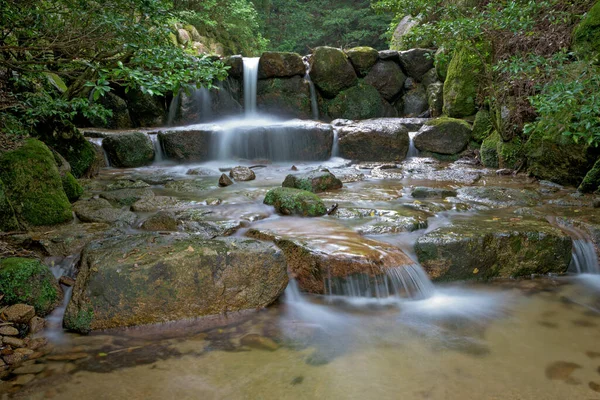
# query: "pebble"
{"type": "Point", "coordinates": [14, 358]}
{"type": "Point", "coordinates": [8, 331]}
{"type": "Point", "coordinates": [19, 313]}
{"type": "Point", "coordinates": [26, 352]}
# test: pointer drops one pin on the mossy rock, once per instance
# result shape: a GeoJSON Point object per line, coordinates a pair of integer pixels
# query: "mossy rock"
{"type": "Point", "coordinates": [331, 71]}
{"type": "Point", "coordinates": [363, 59]}
{"type": "Point", "coordinates": [443, 136]}
{"type": "Point", "coordinates": [482, 126]}
{"type": "Point", "coordinates": [72, 188]}
{"type": "Point", "coordinates": [387, 77]}
{"type": "Point", "coordinates": [359, 102]}
{"type": "Point", "coordinates": [290, 201]}
{"type": "Point", "coordinates": [591, 181]}
{"type": "Point", "coordinates": [25, 280]}
{"type": "Point", "coordinates": [32, 185]}
{"type": "Point", "coordinates": [586, 36]}
{"type": "Point", "coordinates": [314, 181]}
{"type": "Point", "coordinates": [70, 143]}
{"type": "Point", "coordinates": [285, 97]}
{"type": "Point", "coordinates": [275, 64]}
{"type": "Point", "coordinates": [129, 150]}
{"type": "Point", "coordinates": [8, 219]}
{"type": "Point", "coordinates": [489, 150]}
{"type": "Point", "coordinates": [461, 84]}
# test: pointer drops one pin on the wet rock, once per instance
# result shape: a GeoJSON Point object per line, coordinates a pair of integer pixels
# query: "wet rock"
{"type": "Point", "coordinates": [479, 248]}
{"type": "Point", "coordinates": [232, 274]}
{"type": "Point", "coordinates": [259, 342]}
{"type": "Point", "coordinates": [127, 184]}
{"type": "Point", "coordinates": [12, 341]}
{"type": "Point", "coordinates": [65, 240]}
{"type": "Point", "coordinates": [29, 369]}
{"type": "Point", "coordinates": [382, 139]}
{"type": "Point", "coordinates": [561, 370]}
{"type": "Point", "coordinates": [443, 136]}
{"type": "Point", "coordinates": [36, 325]}
{"type": "Point", "coordinates": [313, 181]}
{"type": "Point", "coordinates": [275, 64]}
{"type": "Point", "coordinates": [66, 280]}
{"type": "Point", "coordinates": [190, 185]}
{"type": "Point", "coordinates": [242, 174]}
{"type": "Point", "coordinates": [8, 331]}
{"type": "Point", "coordinates": [200, 171]}
{"type": "Point", "coordinates": [495, 196]}
{"type": "Point", "coordinates": [224, 180]}
{"type": "Point", "coordinates": [362, 58]}
{"type": "Point", "coordinates": [129, 150]}
{"type": "Point", "coordinates": [100, 210]}
{"type": "Point", "coordinates": [367, 221]}
{"type": "Point", "coordinates": [188, 145]}
{"type": "Point", "coordinates": [161, 221]}
{"type": "Point", "coordinates": [416, 62]}
{"type": "Point", "coordinates": [331, 71]}
{"type": "Point", "coordinates": [19, 313]}
{"type": "Point", "coordinates": [126, 197]}
{"type": "Point", "coordinates": [156, 203]}
{"type": "Point", "coordinates": [289, 201]}
{"type": "Point", "coordinates": [422, 192]}
{"type": "Point", "coordinates": [236, 66]}
{"type": "Point", "coordinates": [285, 97]}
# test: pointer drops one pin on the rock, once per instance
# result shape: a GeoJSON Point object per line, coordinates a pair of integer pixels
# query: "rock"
{"type": "Point", "coordinates": [242, 174]}
{"type": "Point", "coordinates": [496, 153]}
{"type": "Point", "coordinates": [126, 197]}
{"type": "Point", "coordinates": [100, 210]}
{"type": "Point", "coordinates": [367, 221]}
{"type": "Point", "coordinates": [65, 240]}
{"type": "Point", "coordinates": [387, 78]}
{"type": "Point", "coordinates": [435, 99]}
{"type": "Point", "coordinates": [232, 274]}
{"type": "Point", "coordinates": [36, 325]}
{"type": "Point", "coordinates": [8, 331]}
{"type": "Point", "coordinates": [12, 341]}
{"type": "Point", "coordinates": [482, 127]}
{"type": "Point", "coordinates": [314, 181]}
{"type": "Point", "coordinates": [274, 64]}
{"type": "Point", "coordinates": [405, 25]}
{"type": "Point", "coordinates": [71, 144]}
{"type": "Point", "coordinates": [561, 370]}
{"type": "Point", "coordinates": [129, 150]}
{"type": "Point", "coordinates": [183, 37]}
{"type": "Point", "coordinates": [224, 180]}
{"type": "Point", "coordinates": [67, 357]}
{"type": "Point", "coordinates": [32, 186]}
{"type": "Point", "coordinates": [29, 369]}
{"type": "Point", "coordinates": [362, 58]}
{"type": "Point", "coordinates": [359, 102]}
{"type": "Point", "coordinates": [586, 36]}
{"type": "Point", "coordinates": [591, 181]}
{"type": "Point", "coordinates": [259, 342]}
{"type": "Point", "coordinates": [236, 66]}
{"type": "Point", "coordinates": [126, 184]}
{"type": "Point", "coordinates": [389, 55]}
{"type": "Point", "coordinates": [120, 118]}
{"type": "Point", "coordinates": [422, 192]}
{"type": "Point", "coordinates": [200, 171]}
{"type": "Point", "coordinates": [416, 62]}
{"type": "Point", "coordinates": [72, 188]}
{"type": "Point", "coordinates": [374, 140]}
{"type": "Point", "coordinates": [24, 280]}
{"type": "Point", "coordinates": [462, 81]}
{"type": "Point", "coordinates": [285, 97]}
{"type": "Point", "coordinates": [430, 77]}
{"type": "Point", "coordinates": [156, 203]}
{"type": "Point", "coordinates": [494, 196]}
{"type": "Point", "coordinates": [14, 358]}
{"type": "Point", "coordinates": [443, 136]}
{"type": "Point", "coordinates": [331, 71]}
{"type": "Point", "coordinates": [483, 249]}
{"type": "Point", "coordinates": [415, 102]}
{"type": "Point", "coordinates": [19, 313]}
{"type": "Point", "coordinates": [289, 201]}
{"type": "Point", "coordinates": [190, 186]}
{"type": "Point", "coordinates": [161, 221]}
{"type": "Point", "coordinates": [8, 219]}
{"type": "Point", "coordinates": [146, 110]}
{"type": "Point", "coordinates": [23, 379]}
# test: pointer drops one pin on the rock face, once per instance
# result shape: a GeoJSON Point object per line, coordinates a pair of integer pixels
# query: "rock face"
{"type": "Point", "coordinates": [460, 86]}
{"type": "Point", "coordinates": [236, 66]}
{"type": "Point", "coordinates": [28, 281]}
{"type": "Point", "coordinates": [314, 181]}
{"type": "Point", "coordinates": [284, 97]}
{"type": "Point", "coordinates": [374, 140]}
{"type": "Point", "coordinates": [146, 110]}
{"type": "Point", "coordinates": [387, 78]}
{"type": "Point", "coordinates": [274, 64]}
{"type": "Point", "coordinates": [331, 71]}
{"type": "Point", "coordinates": [496, 196]}
{"type": "Point", "coordinates": [187, 145]}
{"type": "Point", "coordinates": [180, 277]}
{"type": "Point", "coordinates": [443, 136]}
{"type": "Point", "coordinates": [415, 101]}
{"type": "Point", "coordinates": [290, 201]}
{"type": "Point", "coordinates": [483, 249]}
{"type": "Point", "coordinates": [100, 210]}
{"type": "Point", "coordinates": [242, 174]}
{"type": "Point", "coordinates": [416, 62]}
{"type": "Point", "coordinates": [403, 27]}
{"type": "Point", "coordinates": [359, 102]}
{"type": "Point", "coordinates": [129, 150]}
{"type": "Point", "coordinates": [362, 58]}
{"type": "Point", "coordinates": [32, 186]}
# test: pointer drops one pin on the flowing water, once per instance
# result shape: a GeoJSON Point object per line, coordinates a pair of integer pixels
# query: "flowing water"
{"type": "Point", "coordinates": [250, 85]}
{"type": "Point", "coordinates": [314, 104]}
{"type": "Point", "coordinates": [98, 141]}
{"type": "Point", "coordinates": [412, 150]}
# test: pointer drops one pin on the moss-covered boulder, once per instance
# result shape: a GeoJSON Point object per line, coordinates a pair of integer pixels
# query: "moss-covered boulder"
{"type": "Point", "coordinates": [290, 201]}
{"type": "Point", "coordinates": [461, 84]}
{"type": "Point", "coordinates": [586, 36]}
{"type": "Point", "coordinates": [275, 64]}
{"type": "Point", "coordinates": [314, 181]}
{"type": "Point", "coordinates": [443, 135]}
{"type": "Point", "coordinates": [179, 277]}
{"type": "Point", "coordinates": [362, 58]}
{"type": "Point", "coordinates": [496, 153]}
{"type": "Point", "coordinates": [435, 99]}
{"type": "Point", "coordinates": [387, 77]}
{"type": "Point", "coordinates": [25, 280]}
{"type": "Point", "coordinates": [483, 248]}
{"type": "Point", "coordinates": [8, 219]}
{"type": "Point", "coordinates": [482, 126]}
{"type": "Point", "coordinates": [70, 143]}
{"type": "Point", "coordinates": [129, 150]}
{"type": "Point", "coordinates": [120, 118]}
{"type": "Point", "coordinates": [32, 185]}
{"type": "Point", "coordinates": [331, 71]}
{"type": "Point", "coordinates": [591, 181]}
{"type": "Point", "coordinates": [359, 102]}
{"type": "Point", "coordinates": [284, 97]}
{"type": "Point", "coordinates": [72, 188]}
{"type": "Point", "coordinates": [416, 62]}
{"type": "Point", "coordinates": [489, 150]}
{"type": "Point", "coordinates": [383, 139]}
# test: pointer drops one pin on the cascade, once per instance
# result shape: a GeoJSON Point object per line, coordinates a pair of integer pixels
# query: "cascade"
{"type": "Point", "coordinates": [250, 85]}
{"type": "Point", "coordinates": [54, 330]}
{"type": "Point", "coordinates": [412, 150]}
{"type": "Point", "coordinates": [173, 109]}
{"type": "Point", "coordinates": [314, 105]}
{"type": "Point", "coordinates": [98, 141]}
{"type": "Point", "coordinates": [335, 148]}
{"type": "Point", "coordinates": [158, 151]}
{"type": "Point", "coordinates": [584, 259]}
{"type": "Point", "coordinates": [198, 104]}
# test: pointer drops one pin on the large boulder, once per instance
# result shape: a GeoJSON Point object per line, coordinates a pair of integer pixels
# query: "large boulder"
{"type": "Point", "coordinates": [496, 153]}
{"type": "Point", "coordinates": [586, 36]}
{"type": "Point", "coordinates": [363, 59]}
{"type": "Point", "coordinates": [384, 139]}
{"type": "Point", "coordinates": [188, 145]}
{"type": "Point", "coordinates": [72, 145]}
{"type": "Point", "coordinates": [359, 102]}
{"type": "Point", "coordinates": [120, 118]}
{"type": "Point", "coordinates": [331, 71]}
{"type": "Point", "coordinates": [290, 201]}
{"type": "Point", "coordinates": [415, 101]}
{"type": "Point", "coordinates": [478, 248]}
{"type": "Point", "coordinates": [461, 84]}
{"type": "Point", "coordinates": [145, 109]}
{"type": "Point", "coordinates": [32, 185]}
{"type": "Point", "coordinates": [416, 62]}
{"type": "Point", "coordinates": [482, 126]}
{"type": "Point", "coordinates": [284, 97]}
{"type": "Point", "coordinates": [443, 136]}
{"type": "Point", "coordinates": [274, 64]}
{"type": "Point", "coordinates": [314, 181]}
{"type": "Point", "coordinates": [179, 277]}
{"type": "Point", "coordinates": [129, 150]}
{"type": "Point", "coordinates": [387, 78]}
{"type": "Point", "coordinates": [25, 280]}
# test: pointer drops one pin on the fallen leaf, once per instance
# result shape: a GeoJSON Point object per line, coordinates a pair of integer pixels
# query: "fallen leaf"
{"type": "Point", "coordinates": [476, 271]}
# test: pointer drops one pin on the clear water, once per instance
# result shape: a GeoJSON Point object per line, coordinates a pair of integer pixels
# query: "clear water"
{"type": "Point", "coordinates": [158, 151]}
{"type": "Point", "coordinates": [412, 150]}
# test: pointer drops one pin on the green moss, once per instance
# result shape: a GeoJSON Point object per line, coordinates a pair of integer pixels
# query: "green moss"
{"type": "Point", "coordinates": [331, 71]}
{"type": "Point", "coordinates": [489, 150]}
{"type": "Point", "coordinates": [33, 185]}
{"type": "Point", "coordinates": [363, 58]}
{"type": "Point", "coordinates": [72, 188]}
{"type": "Point", "coordinates": [510, 153]}
{"type": "Point", "coordinates": [28, 281]}
{"type": "Point", "coordinates": [359, 102]}
{"type": "Point", "coordinates": [8, 219]}
{"type": "Point", "coordinates": [444, 120]}
{"type": "Point", "coordinates": [75, 148]}
{"type": "Point", "coordinates": [586, 36]}
{"type": "Point", "coordinates": [461, 84]}
{"type": "Point", "coordinates": [591, 181]}
{"type": "Point", "coordinates": [289, 201]}
{"type": "Point", "coordinates": [81, 322]}
{"type": "Point", "coordinates": [482, 127]}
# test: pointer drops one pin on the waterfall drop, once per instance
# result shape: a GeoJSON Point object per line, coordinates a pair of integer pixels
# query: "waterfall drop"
{"type": "Point", "coordinates": [250, 85]}
{"type": "Point", "coordinates": [98, 141]}
{"type": "Point", "coordinates": [412, 150]}
{"type": "Point", "coordinates": [158, 152]}
{"type": "Point", "coordinates": [314, 105]}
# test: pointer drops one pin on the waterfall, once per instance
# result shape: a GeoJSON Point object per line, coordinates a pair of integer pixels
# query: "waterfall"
{"type": "Point", "coordinates": [158, 152]}
{"type": "Point", "coordinates": [250, 84]}
{"type": "Point", "coordinates": [173, 109]}
{"type": "Point", "coordinates": [412, 150]}
{"type": "Point", "coordinates": [192, 108]}
{"type": "Point", "coordinates": [54, 330]}
{"type": "Point", "coordinates": [584, 258]}
{"type": "Point", "coordinates": [98, 141]}
{"type": "Point", "coordinates": [335, 147]}
{"type": "Point", "coordinates": [314, 105]}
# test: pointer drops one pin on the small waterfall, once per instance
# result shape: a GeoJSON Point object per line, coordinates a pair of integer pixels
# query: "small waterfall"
{"type": "Point", "coordinates": [192, 108]}
{"type": "Point", "coordinates": [412, 150]}
{"type": "Point", "coordinates": [314, 104]}
{"type": "Point", "coordinates": [173, 109]}
{"type": "Point", "coordinates": [98, 141]}
{"type": "Point", "coordinates": [584, 258]}
{"type": "Point", "coordinates": [158, 151]}
{"type": "Point", "coordinates": [203, 95]}
{"type": "Point", "coordinates": [54, 330]}
{"type": "Point", "coordinates": [335, 150]}
{"type": "Point", "coordinates": [250, 84]}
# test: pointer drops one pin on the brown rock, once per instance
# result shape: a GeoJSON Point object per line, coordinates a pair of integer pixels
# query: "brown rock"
{"type": "Point", "coordinates": [14, 359]}
{"type": "Point", "coordinates": [24, 351]}
{"type": "Point", "coordinates": [561, 370]}
{"type": "Point", "coordinates": [594, 386]}
{"type": "Point", "coordinates": [67, 281]}
{"type": "Point", "coordinates": [29, 369]}
{"type": "Point", "coordinates": [67, 357]}
{"type": "Point", "coordinates": [37, 343]}
{"type": "Point", "coordinates": [224, 180]}
{"type": "Point", "coordinates": [12, 341]}
{"type": "Point", "coordinates": [259, 342]}
{"type": "Point", "coordinates": [23, 379]}
{"type": "Point", "coordinates": [19, 313]}
{"type": "Point", "coordinates": [8, 331]}
{"type": "Point", "coordinates": [36, 324]}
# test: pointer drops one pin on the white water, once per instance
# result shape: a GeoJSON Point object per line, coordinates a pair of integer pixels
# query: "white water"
{"type": "Point", "coordinates": [173, 109]}
{"type": "Point", "coordinates": [54, 330]}
{"type": "Point", "coordinates": [314, 105]}
{"type": "Point", "coordinates": [158, 151]}
{"type": "Point", "coordinates": [250, 85]}
{"type": "Point", "coordinates": [585, 259]}
{"type": "Point", "coordinates": [335, 148]}
{"type": "Point", "coordinates": [99, 141]}
{"type": "Point", "coordinates": [412, 150]}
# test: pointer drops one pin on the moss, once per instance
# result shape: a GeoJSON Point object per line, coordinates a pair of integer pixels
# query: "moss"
{"type": "Point", "coordinates": [362, 58]}
{"type": "Point", "coordinates": [33, 185]}
{"type": "Point", "coordinates": [359, 102]}
{"type": "Point", "coordinates": [331, 71]}
{"type": "Point", "coordinates": [482, 127]}
{"type": "Point", "coordinates": [510, 153]}
{"type": "Point", "coordinates": [586, 36]}
{"type": "Point", "coordinates": [8, 219]}
{"type": "Point", "coordinates": [28, 281]}
{"type": "Point", "coordinates": [591, 181]}
{"type": "Point", "coordinates": [445, 120]}
{"type": "Point", "coordinates": [489, 150]}
{"type": "Point", "coordinates": [289, 201]}
{"type": "Point", "coordinates": [70, 143]}
{"type": "Point", "coordinates": [461, 84]}
{"type": "Point", "coordinates": [81, 322]}
{"type": "Point", "coordinates": [72, 188]}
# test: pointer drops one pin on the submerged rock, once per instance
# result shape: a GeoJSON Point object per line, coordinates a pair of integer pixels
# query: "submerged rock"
{"type": "Point", "coordinates": [495, 196]}
{"type": "Point", "coordinates": [129, 150]}
{"type": "Point", "coordinates": [443, 136]}
{"type": "Point", "coordinates": [480, 248]}
{"type": "Point", "coordinates": [314, 181]}
{"type": "Point", "coordinates": [148, 278]}
{"type": "Point", "coordinates": [290, 201]}
{"type": "Point", "coordinates": [384, 139]}
{"type": "Point", "coordinates": [422, 192]}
